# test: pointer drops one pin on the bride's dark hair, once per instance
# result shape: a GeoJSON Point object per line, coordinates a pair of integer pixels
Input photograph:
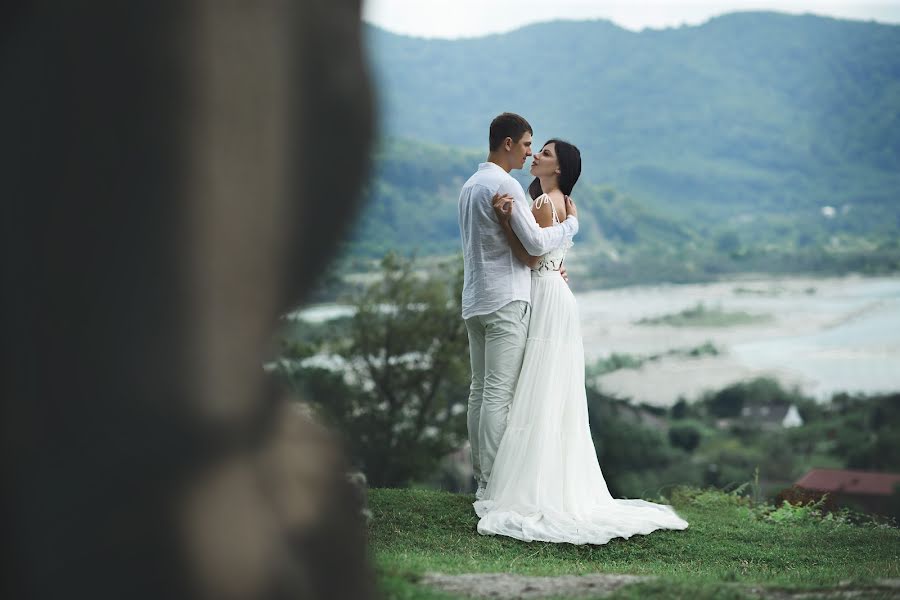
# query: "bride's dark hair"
{"type": "Point", "coordinates": [569, 158]}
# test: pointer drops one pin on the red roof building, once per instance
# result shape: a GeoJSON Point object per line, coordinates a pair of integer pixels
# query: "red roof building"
{"type": "Point", "coordinates": [865, 489]}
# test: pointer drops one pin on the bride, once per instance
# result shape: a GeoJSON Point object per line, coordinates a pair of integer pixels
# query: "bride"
{"type": "Point", "coordinates": [546, 483]}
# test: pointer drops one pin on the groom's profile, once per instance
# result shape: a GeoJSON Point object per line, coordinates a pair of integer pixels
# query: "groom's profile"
{"type": "Point", "coordinates": [496, 293]}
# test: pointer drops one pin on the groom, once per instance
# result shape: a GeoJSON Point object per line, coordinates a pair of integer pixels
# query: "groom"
{"type": "Point", "coordinates": [496, 293]}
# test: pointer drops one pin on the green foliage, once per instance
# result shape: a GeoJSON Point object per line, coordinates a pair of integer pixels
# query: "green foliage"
{"type": "Point", "coordinates": [790, 513]}
{"type": "Point", "coordinates": [881, 453]}
{"type": "Point", "coordinates": [701, 316]}
{"type": "Point", "coordinates": [847, 432]}
{"type": "Point", "coordinates": [410, 202]}
{"type": "Point", "coordinates": [694, 413]}
{"type": "Point", "coordinates": [614, 362]}
{"type": "Point", "coordinates": [684, 436]}
{"type": "Point", "coordinates": [679, 409]}
{"type": "Point", "coordinates": [727, 402]}
{"type": "Point", "coordinates": [709, 498]}
{"type": "Point", "coordinates": [704, 349]}
{"type": "Point", "coordinates": [617, 361]}
{"type": "Point", "coordinates": [867, 431]}
{"type": "Point", "coordinates": [816, 513]}
{"type": "Point", "coordinates": [729, 461]}
{"type": "Point", "coordinates": [393, 378]}
{"type": "Point", "coordinates": [762, 391]}
{"type": "Point", "coordinates": [635, 459]}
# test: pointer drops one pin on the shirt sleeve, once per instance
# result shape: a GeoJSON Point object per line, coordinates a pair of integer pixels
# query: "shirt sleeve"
{"type": "Point", "coordinates": [537, 240]}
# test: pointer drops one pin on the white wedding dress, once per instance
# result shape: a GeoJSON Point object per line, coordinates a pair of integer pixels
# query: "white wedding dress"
{"type": "Point", "coordinates": [546, 483]}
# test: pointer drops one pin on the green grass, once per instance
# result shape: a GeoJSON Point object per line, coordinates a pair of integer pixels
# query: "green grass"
{"type": "Point", "coordinates": [729, 545]}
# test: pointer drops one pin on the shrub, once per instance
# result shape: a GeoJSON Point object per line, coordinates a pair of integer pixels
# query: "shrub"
{"type": "Point", "coordinates": [684, 436]}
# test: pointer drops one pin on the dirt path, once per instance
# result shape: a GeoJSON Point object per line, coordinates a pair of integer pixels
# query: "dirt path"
{"type": "Point", "coordinates": [505, 586]}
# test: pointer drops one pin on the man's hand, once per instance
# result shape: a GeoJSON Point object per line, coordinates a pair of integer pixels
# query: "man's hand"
{"type": "Point", "coordinates": [503, 207]}
{"type": "Point", "coordinates": [564, 274]}
{"type": "Point", "coordinates": [571, 211]}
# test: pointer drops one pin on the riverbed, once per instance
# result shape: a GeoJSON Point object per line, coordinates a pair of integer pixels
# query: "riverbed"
{"type": "Point", "coordinates": [822, 335]}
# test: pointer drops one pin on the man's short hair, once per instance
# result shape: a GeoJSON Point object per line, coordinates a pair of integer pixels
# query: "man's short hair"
{"type": "Point", "coordinates": [508, 125]}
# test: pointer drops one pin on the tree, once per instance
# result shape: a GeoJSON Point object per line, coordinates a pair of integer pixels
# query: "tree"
{"type": "Point", "coordinates": [632, 456]}
{"type": "Point", "coordinates": [762, 391]}
{"type": "Point", "coordinates": [684, 436]}
{"type": "Point", "coordinates": [394, 378]}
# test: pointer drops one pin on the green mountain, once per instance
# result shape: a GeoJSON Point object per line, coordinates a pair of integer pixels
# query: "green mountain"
{"type": "Point", "coordinates": [413, 193]}
{"type": "Point", "coordinates": [411, 198]}
{"type": "Point", "coordinates": [411, 208]}
{"type": "Point", "coordinates": [749, 114]}
{"type": "Point", "coordinates": [756, 142]}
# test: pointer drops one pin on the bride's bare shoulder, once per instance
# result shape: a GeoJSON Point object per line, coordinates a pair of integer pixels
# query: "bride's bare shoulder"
{"type": "Point", "coordinates": [542, 211]}
{"type": "Point", "coordinates": [559, 202]}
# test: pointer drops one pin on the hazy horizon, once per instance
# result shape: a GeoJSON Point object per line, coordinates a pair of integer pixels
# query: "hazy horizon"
{"type": "Point", "coordinates": [471, 18]}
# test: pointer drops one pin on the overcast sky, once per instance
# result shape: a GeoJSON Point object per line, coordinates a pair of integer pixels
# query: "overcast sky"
{"type": "Point", "coordinates": [468, 18]}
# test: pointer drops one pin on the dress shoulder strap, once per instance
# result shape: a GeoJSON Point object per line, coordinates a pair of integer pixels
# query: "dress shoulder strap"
{"type": "Point", "coordinates": [545, 199]}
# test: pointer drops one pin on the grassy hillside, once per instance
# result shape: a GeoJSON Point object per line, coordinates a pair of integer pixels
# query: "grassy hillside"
{"type": "Point", "coordinates": [730, 545]}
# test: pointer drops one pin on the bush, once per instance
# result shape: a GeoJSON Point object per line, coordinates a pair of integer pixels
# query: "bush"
{"type": "Point", "coordinates": [686, 437]}
{"type": "Point", "coordinates": [800, 497]}
{"type": "Point", "coordinates": [396, 373]}
{"type": "Point", "coordinates": [680, 409]}
{"type": "Point", "coordinates": [632, 456]}
{"type": "Point", "coordinates": [730, 401]}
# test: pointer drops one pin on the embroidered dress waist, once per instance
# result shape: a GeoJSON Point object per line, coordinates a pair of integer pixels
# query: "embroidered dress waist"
{"type": "Point", "coordinates": [545, 270]}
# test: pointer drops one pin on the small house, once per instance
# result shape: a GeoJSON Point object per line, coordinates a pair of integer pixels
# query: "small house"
{"type": "Point", "coordinates": [866, 490]}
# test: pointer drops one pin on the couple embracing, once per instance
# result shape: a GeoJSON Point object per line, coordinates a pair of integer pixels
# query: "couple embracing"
{"type": "Point", "coordinates": [532, 453]}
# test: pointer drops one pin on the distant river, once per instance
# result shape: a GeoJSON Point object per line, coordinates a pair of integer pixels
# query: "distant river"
{"type": "Point", "coordinates": [824, 335]}
{"type": "Point", "coordinates": [860, 353]}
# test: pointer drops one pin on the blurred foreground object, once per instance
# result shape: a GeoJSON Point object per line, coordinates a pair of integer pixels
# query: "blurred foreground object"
{"type": "Point", "coordinates": [163, 170]}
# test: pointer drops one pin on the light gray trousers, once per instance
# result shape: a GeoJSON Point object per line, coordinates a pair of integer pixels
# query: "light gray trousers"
{"type": "Point", "coordinates": [496, 348]}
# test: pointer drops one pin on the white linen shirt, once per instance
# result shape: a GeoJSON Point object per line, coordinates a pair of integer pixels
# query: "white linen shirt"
{"type": "Point", "coordinates": [493, 276]}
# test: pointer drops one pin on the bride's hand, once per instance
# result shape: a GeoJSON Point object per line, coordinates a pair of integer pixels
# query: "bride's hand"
{"type": "Point", "coordinates": [571, 211]}
{"type": "Point", "coordinates": [503, 207]}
